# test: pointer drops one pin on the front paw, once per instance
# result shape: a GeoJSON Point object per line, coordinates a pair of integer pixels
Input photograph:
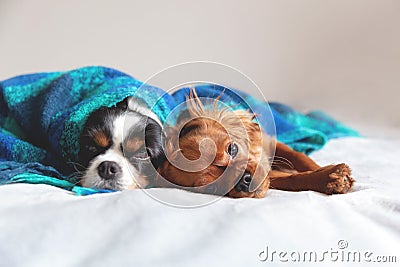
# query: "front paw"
{"type": "Point", "coordinates": [338, 180]}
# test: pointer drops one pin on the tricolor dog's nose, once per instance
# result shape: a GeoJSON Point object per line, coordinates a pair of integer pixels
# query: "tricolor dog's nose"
{"type": "Point", "coordinates": [109, 170]}
{"type": "Point", "coordinates": [244, 183]}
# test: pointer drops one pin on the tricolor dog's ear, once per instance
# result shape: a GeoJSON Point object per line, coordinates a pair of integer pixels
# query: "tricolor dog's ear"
{"type": "Point", "coordinates": [154, 138]}
{"type": "Point", "coordinates": [123, 105]}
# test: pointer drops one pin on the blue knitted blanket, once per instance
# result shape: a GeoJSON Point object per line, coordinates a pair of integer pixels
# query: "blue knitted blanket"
{"type": "Point", "coordinates": [42, 116]}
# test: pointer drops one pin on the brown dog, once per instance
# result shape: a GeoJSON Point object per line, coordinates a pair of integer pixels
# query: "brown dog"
{"type": "Point", "coordinates": [225, 152]}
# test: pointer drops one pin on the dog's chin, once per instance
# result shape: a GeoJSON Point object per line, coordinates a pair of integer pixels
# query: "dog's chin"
{"type": "Point", "coordinates": [99, 183]}
{"type": "Point", "coordinates": [118, 184]}
{"type": "Point", "coordinates": [260, 192]}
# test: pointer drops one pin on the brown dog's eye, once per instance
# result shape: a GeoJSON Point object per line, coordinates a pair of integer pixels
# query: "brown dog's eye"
{"type": "Point", "coordinates": [233, 150]}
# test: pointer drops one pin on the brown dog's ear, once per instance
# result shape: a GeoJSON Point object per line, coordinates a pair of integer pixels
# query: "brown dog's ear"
{"type": "Point", "coordinates": [255, 116]}
{"type": "Point", "coordinates": [194, 105]}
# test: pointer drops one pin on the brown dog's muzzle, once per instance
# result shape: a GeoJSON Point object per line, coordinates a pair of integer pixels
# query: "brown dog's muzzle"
{"type": "Point", "coordinates": [244, 183]}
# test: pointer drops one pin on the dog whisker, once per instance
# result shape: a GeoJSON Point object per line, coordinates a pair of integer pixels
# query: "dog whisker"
{"type": "Point", "coordinates": [75, 165]}
{"type": "Point", "coordinates": [76, 183]}
{"type": "Point", "coordinates": [278, 163]}
{"type": "Point", "coordinates": [77, 174]}
{"type": "Point", "coordinates": [283, 160]}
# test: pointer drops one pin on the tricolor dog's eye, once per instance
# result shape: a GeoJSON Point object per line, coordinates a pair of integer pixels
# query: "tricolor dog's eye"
{"type": "Point", "coordinates": [92, 149]}
{"type": "Point", "coordinates": [233, 149]}
{"type": "Point", "coordinates": [142, 154]}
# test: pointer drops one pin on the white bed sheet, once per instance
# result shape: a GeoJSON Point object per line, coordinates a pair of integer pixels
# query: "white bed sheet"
{"type": "Point", "coordinates": [42, 225]}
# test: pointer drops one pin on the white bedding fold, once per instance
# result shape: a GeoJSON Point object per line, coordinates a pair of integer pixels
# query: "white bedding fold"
{"type": "Point", "coordinates": [45, 226]}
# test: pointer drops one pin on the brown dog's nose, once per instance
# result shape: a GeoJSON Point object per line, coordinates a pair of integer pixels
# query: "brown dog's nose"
{"type": "Point", "coordinates": [108, 170]}
{"type": "Point", "coordinates": [244, 183]}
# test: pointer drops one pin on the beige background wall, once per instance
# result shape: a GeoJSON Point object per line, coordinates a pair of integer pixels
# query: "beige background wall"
{"type": "Point", "coordinates": [339, 55]}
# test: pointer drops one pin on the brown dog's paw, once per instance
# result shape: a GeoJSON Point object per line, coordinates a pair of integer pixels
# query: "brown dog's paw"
{"type": "Point", "coordinates": [339, 181]}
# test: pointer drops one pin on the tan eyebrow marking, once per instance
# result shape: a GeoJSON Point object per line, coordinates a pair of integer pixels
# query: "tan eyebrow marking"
{"type": "Point", "coordinates": [133, 144]}
{"type": "Point", "coordinates": [101, 139]}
